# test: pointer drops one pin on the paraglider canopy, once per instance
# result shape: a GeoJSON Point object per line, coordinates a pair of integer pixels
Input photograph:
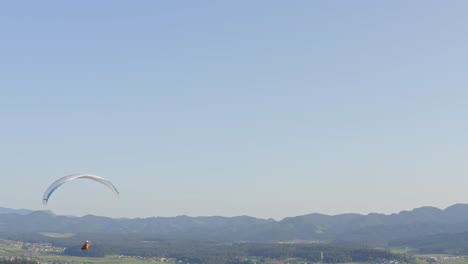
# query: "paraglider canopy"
{"type": "Point", "coordinates": [65, 179]}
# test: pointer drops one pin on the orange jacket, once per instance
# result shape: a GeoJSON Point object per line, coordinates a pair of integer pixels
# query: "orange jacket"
{"type": "Point", "coordinates": [85, 246]}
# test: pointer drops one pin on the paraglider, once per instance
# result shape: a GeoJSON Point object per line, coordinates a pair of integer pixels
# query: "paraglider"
{"type": "Point", "coordinates": [65, 179]}
{"type": "Point", "coordinates": [86, 245]}
{"type": "Point", "coordinates": [55, 185]}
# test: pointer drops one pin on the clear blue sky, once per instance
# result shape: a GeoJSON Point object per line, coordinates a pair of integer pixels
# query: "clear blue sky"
{"type": "Point", "coordinates": [262, 108]}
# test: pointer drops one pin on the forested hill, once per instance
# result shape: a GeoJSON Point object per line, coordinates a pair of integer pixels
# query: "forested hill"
{"type": "Point", "coordinates": [445, 243]}
{"type": "Point", "coordinates": [372, 229]}
{"type": "Point", "coordinates": [4, 210]}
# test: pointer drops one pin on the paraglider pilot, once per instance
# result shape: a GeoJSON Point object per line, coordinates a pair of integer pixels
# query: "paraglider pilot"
{"type": "Point", "coordinates": [85, 246]}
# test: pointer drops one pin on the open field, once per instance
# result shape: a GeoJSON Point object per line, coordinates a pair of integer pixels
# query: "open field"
{"type": "Point", "coordinates": [455, 261]}
{"type": "Point", "coordinates": [442, 259]}
{"type": "Point", "coordinates": [82, 260]}
{"type": "Point", "coordinates": [57, 235]}
{"type": "Point", "coordinates": [400, 250]}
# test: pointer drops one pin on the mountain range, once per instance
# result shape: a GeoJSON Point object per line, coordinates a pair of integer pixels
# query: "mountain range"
{"type": "Point", "coordinates": [371, 229]}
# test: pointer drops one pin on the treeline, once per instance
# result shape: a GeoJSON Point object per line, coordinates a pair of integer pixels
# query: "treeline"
{"type": "Point", "coordinates": [18, 261]}
{"type": "Point", "coordinates": [456, 244]}
{"type": "Point", "coordinates": [207, 252]}
{"type": "Point", "coordinates": [332, 253]}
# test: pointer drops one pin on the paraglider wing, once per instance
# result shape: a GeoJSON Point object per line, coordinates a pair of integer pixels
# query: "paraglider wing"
{"type": "Point", "coordinates": [54, 186]}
